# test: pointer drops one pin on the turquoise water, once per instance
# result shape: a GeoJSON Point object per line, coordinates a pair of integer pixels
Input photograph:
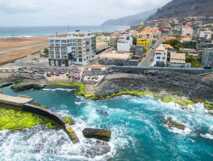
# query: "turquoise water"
{"type": "Point", "coordinates": [137, 124]}
{"type": "Point", "coordinates": [50, 30]}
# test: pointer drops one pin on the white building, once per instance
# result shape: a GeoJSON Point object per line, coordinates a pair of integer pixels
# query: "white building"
{"type": "Point", "coordinates": [187, 30]}
{"type": "Point", "coordinates": [206, 35]}
{"type": "Point", "coordinates": [160, 57]}
{"type": "Point", "coordinates": [124, 43]}
{"type": "Point", "coordinates": [177, 59]}
{"type": "Point", "coordinates": [73, 48]}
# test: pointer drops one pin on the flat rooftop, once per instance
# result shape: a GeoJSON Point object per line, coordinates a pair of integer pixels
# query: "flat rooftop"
{"type": "Point", "coordinates": [177, 58]}
{"type": "Point", "coordinates": [71, 35]}
{"type": "Point", "coordinates": [115, 55]}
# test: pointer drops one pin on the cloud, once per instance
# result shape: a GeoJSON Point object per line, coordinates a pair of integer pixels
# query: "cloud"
{"type": "Point", "coordinates": [15, 6]}
{"type": "Point", "coordinates": [70, 12]}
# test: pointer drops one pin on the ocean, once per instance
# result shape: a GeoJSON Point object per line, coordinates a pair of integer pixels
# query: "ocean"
{"type": "Point", "coordinates": [137, 125]}
{"type": "Point", "coordinates": [51, 30]}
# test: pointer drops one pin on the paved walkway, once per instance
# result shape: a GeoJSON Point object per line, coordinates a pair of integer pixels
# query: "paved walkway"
{"type": "Point", "coordinates": [14, 100]}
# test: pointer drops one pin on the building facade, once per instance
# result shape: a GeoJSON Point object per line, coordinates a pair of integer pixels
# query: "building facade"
{"type": "Point", "coordinates": [207, 57]}
{"type": "Point", "coordinates": [206, 35]}
{"type": "Point", "coordinates": [160, 57]}
{"type": "Point", "coordinates": [73, 48]}
{"type": "Point", "coordinates": [177, 60]}
{"type": "Point", "coordinates": [146, 43]}
{"type": "Point", "coordinates": [124, 43]}
{"type": "Point", "coordinates": [187, 30]}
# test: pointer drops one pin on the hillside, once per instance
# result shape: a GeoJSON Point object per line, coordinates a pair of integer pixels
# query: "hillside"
{"type": "Point", "coordinates": [184, 8]}
{"type": "Point", "coordinates": [130, 20]}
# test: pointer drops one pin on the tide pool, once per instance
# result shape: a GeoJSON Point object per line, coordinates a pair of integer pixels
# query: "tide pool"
{"type": "Point", "coordinates": [137, 124]}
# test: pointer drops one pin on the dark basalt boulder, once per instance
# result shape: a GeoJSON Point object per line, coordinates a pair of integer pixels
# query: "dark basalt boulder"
{"type": "Point", "coordinates": [100, 134]}
{"type": "Point", "coordinates": [6, 84]}
{"type": "Point", "coordinates": [173, 124]}
{"type": "Point", "coordinates": [27, 86]}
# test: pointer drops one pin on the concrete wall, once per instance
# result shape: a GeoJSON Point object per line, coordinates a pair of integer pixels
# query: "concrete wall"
{"type": "Point", "coordinates": [47, 114]}
{"type": "Point", "coordinates": [142, 70]}
{"type": "Point", "coordinates": [43, 112]}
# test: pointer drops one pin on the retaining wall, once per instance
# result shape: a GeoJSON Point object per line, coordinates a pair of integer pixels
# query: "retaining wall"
{"type": "Point", "coordinates": [143, 70]}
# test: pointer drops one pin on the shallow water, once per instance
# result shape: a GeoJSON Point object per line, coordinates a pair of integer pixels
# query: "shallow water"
{"type": "Point", "coordinates": [137, 124]}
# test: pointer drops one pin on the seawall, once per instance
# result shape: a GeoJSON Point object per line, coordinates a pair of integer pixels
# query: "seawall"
{"type": "Point", "coordinates": [144, 70]}
{"type": "Point", "coordinates": [45, 113]}
{"type": "Point", "coordinates": [24, 104]}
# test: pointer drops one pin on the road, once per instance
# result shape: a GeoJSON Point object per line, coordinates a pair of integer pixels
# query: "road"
{"type": "Point", "coordinates": [147, 61]}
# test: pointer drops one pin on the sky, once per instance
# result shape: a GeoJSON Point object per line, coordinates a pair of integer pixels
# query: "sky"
{"type": "Point", "coordinates": [69, 12]}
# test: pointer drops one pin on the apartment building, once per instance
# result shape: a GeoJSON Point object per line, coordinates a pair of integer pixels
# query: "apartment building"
{"type": "Point", "coordinates": [177, 60]}
{"type": "Point", "coordinates": [124, 43]}
{"type": "Point", "coordinates": [187, 30]}
{"type": "Point", "coordinates": [72, 48]}
{"type": "Point", "coordinates": [206, 35]}
{"type": "Point", "coordinates": [160, 57]}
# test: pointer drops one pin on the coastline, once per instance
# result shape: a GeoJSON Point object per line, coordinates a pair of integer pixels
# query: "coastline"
{"type": "Point", "coordinates": [163, 96]}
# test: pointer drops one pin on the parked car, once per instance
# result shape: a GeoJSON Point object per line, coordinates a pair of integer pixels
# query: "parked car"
{"type": "Point", "coordinates": [207, 67]}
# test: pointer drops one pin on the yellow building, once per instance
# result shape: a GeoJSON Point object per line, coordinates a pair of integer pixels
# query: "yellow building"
{"type": "Point", "coordinates": [144, 42]}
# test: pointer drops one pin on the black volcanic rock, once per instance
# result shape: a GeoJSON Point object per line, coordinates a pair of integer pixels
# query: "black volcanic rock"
{"type": "Point", "coordinates": [185, 8]}
{"type": "Point", "coordinates": [101, 134]}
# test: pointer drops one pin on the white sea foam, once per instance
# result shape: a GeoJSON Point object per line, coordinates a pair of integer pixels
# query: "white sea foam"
{"type": "Point", "coordinates": [41, 144]}
{"type": "Point", "coordinates": [207, 136]}
{"type": "Point", "coordinates": [58, 89]}
{"type": "Point", "coordinates": [186, 131]}
{"type": "Point", "coordinates": [79, 102]}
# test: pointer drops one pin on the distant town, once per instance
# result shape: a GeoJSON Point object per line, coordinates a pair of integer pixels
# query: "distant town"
{"type": "Point", "coordinates": [169, 43]}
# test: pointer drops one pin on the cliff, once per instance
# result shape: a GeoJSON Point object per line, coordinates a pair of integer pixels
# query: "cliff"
{"type": "Point", "coordinates": [185, 8]}
{"type": "Point", "coordinates": [130, 20]}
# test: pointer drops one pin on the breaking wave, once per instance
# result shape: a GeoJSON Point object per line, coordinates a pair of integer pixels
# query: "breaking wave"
{"type": "Point", "coordinates": [137, 125]}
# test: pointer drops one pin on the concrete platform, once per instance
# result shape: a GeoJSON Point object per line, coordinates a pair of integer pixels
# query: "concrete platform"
{"type": "Point", "coordinates": [14, 100]}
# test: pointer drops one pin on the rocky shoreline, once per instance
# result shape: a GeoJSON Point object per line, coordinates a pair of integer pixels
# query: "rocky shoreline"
{"type": "Point", "coordinates": [27, 85]}
{"type": "Point", "coordinates": [168, 86]}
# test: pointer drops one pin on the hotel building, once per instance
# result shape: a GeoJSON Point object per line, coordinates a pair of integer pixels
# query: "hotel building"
{"type": "Point", "coordinates": [73, 48]}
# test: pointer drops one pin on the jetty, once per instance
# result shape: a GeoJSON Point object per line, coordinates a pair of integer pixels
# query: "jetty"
{"type": "Point", "coordinates": [25, 104]}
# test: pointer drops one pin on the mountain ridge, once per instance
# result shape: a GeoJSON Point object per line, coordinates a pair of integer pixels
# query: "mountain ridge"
{"type": "Point", "coordinates": [130, 20]}
{"type": "Point", "coordinates": [185, 8]}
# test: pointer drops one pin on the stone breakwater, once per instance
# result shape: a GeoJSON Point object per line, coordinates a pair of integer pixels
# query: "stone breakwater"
{"type": "Point", "coordinates": [24, 104]}
{"type": "Point", "coordinates": [61, 122]}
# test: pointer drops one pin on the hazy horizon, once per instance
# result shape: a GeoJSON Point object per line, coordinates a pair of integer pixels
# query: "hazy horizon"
{"type": "Point", "coordinates": [31, 13]}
